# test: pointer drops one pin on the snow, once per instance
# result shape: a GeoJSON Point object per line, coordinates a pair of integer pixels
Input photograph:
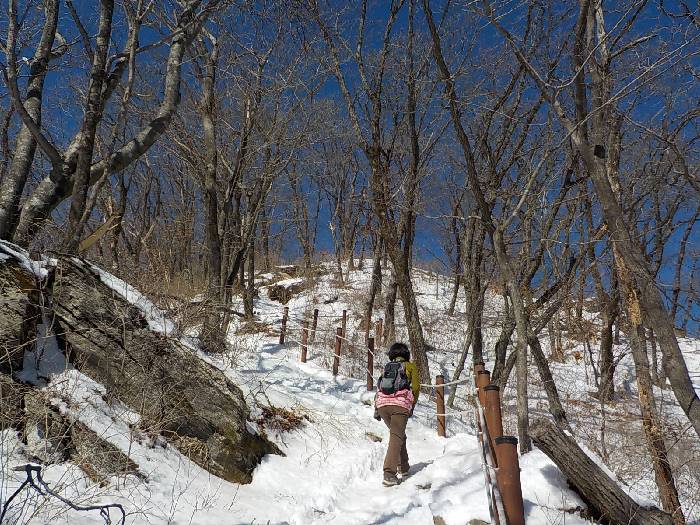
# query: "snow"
{"type": "Point", "coordinates": [286, 283]}
{"type": "Point", "coordinates": [10, 251]}
{"type": "Point", "coordinates": [332, 469]}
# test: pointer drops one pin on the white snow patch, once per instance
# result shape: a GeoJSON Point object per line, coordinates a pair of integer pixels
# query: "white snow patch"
{"type": "Point", "coordinates": [12, 251]}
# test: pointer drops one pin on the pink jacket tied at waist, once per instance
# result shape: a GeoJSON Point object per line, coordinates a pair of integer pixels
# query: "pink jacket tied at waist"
{"type": "Point", "coordinates": [402, 398]}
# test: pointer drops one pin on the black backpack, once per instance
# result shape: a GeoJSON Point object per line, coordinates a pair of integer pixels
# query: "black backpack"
{"type": "Point", "coordinates": [394, 377]}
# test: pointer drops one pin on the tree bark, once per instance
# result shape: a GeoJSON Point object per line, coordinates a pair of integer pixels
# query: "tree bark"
{"type": "Point", "coordinates": [12, 184]}
{"type": "Point", "coordinates": [651, 424]}
{"type": "Point", "coordinates": [389, 335]}
{"type": "Point", "coordinates": [58, 186]}
{"type": "Point", "coordinates": [375, 285]}
{"type": "Point", "coordinates": [249, 294]}
{"type": "Point", "coordinates": [608, 500]}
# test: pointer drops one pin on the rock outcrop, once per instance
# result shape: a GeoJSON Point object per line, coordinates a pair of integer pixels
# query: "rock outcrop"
{"type": "Point", "coordinates": [17, 312]}
{"type": "Point", "coordinates": [175, 391]}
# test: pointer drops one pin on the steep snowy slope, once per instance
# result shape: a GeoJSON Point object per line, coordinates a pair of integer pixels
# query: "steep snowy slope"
{"type": "Point", "coordinates": [331, 472]}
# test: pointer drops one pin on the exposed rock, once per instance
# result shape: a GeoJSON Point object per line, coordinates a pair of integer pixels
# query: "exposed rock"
{"type": "Point", "coordinates": [284, 291]}
{"type": "Point", "coordinates": [11, 402]}
{"type": "Point", "coordinates": [373, 437]}
{"type": "Point", "coordinates": [47, 432]}
{"type": "Point", "coordinates": [97, 457]}
{"type": "Point", "coordinates": [17, 314]}
{"type": "Point", "coordinates": [53, 438]}
{"type": "Point", "coordinates": [176, 393]}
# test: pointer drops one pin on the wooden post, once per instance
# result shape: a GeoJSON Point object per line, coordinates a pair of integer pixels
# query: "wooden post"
{"type": "Point", "coordinates": [344, 325]}
{"type": "Point", "coordinates": [304, 339]}
{"type": "Point", "coordinates": [379, 332]}
{"type": "Point", "coordinates": [336, 356]}
{"type": "Point", "coordinates": [370, 364]}
{"type": "Point", "coordinates": [478, 367]}
{"type": "Point", "coordinates": [439, 381]}
{"type": "Point", "coordinates": [314, 326]}
{"type": "Point", "coordinates": [492, 414]}
{"type": "Point", "coordinates": [483, 378]}
{"type": "Point", "coordinates": [368, 322]}
{"type": "Point", "coordinates": [283, 331]}
{"type": "Point", "coordinates": [508, 478]}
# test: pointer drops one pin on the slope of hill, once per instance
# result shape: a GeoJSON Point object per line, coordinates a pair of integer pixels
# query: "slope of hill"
{"type": "Point", "coordinates": [331, 470]}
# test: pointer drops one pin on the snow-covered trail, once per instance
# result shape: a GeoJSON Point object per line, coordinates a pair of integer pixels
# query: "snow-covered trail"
{"type": "Point", "coordinates": [333, 470]}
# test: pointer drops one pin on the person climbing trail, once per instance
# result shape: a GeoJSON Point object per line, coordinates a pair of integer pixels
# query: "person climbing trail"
{"type": "Point", "coordinates": [397, 395]}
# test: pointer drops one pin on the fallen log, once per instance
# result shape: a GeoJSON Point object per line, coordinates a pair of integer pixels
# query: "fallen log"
{"type": "Point", "coordinates": [606, 498]}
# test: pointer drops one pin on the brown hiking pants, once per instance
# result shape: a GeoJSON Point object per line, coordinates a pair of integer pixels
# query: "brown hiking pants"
{"type": "Point", "coordinates": [395, 418]}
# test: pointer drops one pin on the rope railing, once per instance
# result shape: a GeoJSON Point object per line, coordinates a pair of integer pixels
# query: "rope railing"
{"type": "Point", "coordinates": [499, 453]}
{"type": "Point", "coordinates": [499, 456]}
{"type": "Point", "coordinates": [309, 345]}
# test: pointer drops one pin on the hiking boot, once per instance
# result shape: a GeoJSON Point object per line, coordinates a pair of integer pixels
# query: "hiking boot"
{"type": "Point", "coordinates": [404, 471]}
{"type": "Point", "coordinates": [390, 480]}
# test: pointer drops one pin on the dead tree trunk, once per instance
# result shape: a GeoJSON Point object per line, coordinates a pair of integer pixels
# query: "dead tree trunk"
{"type": "Point", "coordinates": [651, 424]}
{"type": "Point", "coordinates": [602, 493]}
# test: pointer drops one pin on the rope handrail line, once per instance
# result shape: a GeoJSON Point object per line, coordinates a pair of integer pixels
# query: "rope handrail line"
{"type": "Point", "coordinates": [458, 382]}
{"type": "Point", "coordinates": [348, 341]}
{"type": "Point", "coordinates": [492, 483]}
{"type": "Point", "coordinates": [332, 354]}
{"type": "Point", "coordinates": [374, 354]}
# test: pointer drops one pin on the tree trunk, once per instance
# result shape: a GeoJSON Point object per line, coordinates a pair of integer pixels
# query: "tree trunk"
{"type": "Point", "coordinates": [389, 335]}
{"type": "Point", "coordinates": [86, 143]}
{"type": "Point", "coordinates": [650, 420]}
{"type": "Point", "coordinates": [606, 389]}
{"type": "Point", "coordinates": [609, 501]}
{"type": "Point", "coordinates": [468, 339]}
{"type": "Point", "coordinates": [211, 207]}
{"type": "Point", "coordinates": [455, 293]}
{"type": "Point", "coordinates": [13, 182]}
{"type": "Point", "coordinates": [375, 285]}
{"type": "Point", "coordinates": [249, 294]}
{"type": "Point", "coordinates": [550, 387]}
{"type": "Point", "coordinates": [654, 359]}
{"type": "Point", "coordinates": [501, 347]}
{"type": "Point", "coordinates": [521, 341]}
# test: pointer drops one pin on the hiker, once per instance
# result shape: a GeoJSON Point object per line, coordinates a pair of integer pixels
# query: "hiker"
{"type": "Point", "coordinates": [397, 395]}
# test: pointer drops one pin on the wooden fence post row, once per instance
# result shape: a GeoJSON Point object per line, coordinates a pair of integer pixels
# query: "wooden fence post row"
{"type": "Point", "coordinates": [283, 330]}
{"type": "Point", "coordinates": [503, 449]}
{"type": "Point", "coordinates": [336, 355]}
{"type": "Point", "coordinates": [370, 364]}
{"type": "Point", "coordinates": [440, 401]}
